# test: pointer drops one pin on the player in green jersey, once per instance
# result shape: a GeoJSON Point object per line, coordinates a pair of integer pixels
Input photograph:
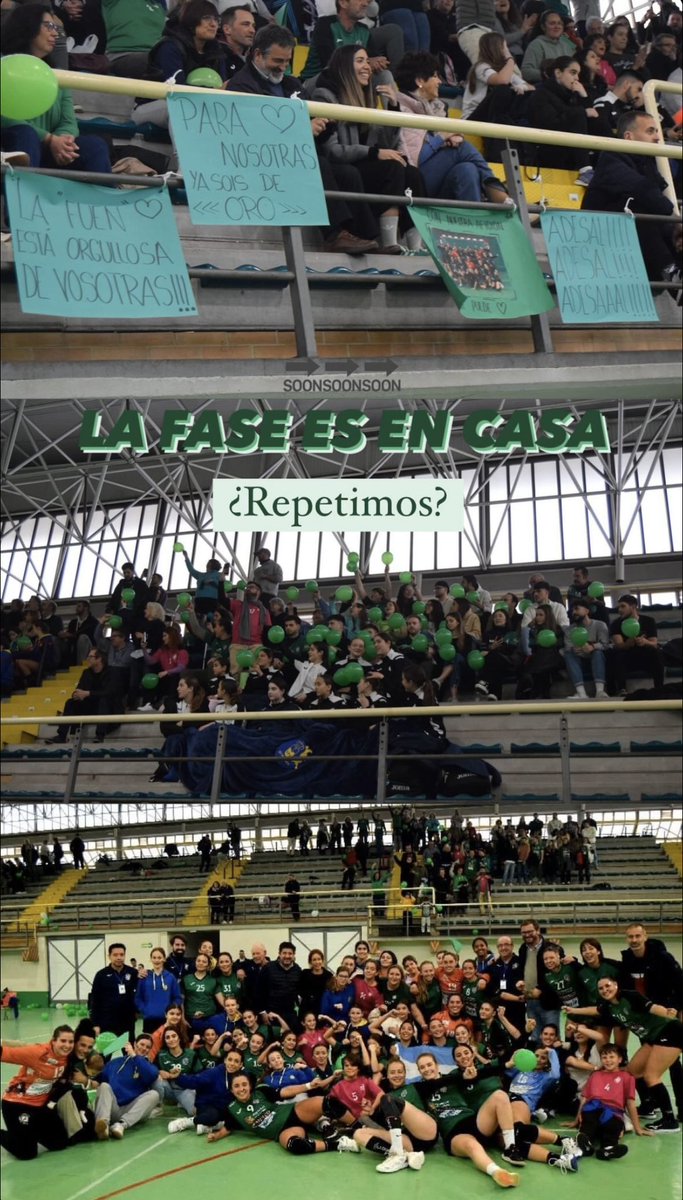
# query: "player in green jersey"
{"type": "Point", "coordinates": [254, 1111]}
{"type": "Point", "coordinates": [407, 1129]}
{"type": "Point", "coordinates": [561, 978]}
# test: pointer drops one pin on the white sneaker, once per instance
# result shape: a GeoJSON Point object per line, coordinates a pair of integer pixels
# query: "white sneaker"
{"type": "Point", "coordinates": [567, 1164]}
{"type": "Point", "coordinates": [481, 688]}
{"type": "Point", "coordinates": [346, 1145]}
{"type": "Point", "coordinates": [148, 708]}
{"type": "Point", "coordinates": [201, 1129]}
{"type": "Point", "coordinates": [180, 1124]}
{"type": "Point", "coordinates": [393, 1163]}
{"type": "Point", "coordinates": [580, 696]}
{"type": "Point", "coordinates": [540, 1116]}
{"type": "Point", "coordinates": [117, 1130]}
{"type": "Point", "coordinates": [571, 1147]}
{"type": "Point", "coordinates": [157, 1112]}
{"type": "Point", "coordinates": [416, 1159]}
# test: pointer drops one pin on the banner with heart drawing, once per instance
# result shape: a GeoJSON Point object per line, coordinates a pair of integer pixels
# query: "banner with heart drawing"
{"type": "Point", "coordinates": [486, 261]}
{"type": "Point", "coordinates": [247, 160]}
{"type": "Point", "coordinates": [84, 251]}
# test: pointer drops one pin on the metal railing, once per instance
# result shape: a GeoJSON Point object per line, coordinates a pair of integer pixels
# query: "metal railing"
{"type": "Point", "coordinates": [570, 914]}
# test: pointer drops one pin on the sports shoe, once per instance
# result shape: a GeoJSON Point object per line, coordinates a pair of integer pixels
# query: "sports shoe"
{"type": "Point", "coordinates": [565, 1162]}
{"type": "Point", "coordinates": [505, 1178]}
{"type": "Point", "coordinates": [157, 1112]}
{"type": "Point", "coordinates": [607, 1153]}
{"type": "Point", "coordinates": [481, 688]}
{"type": "Point", "coordinates": [416, 1159]}
{"type": "Point", "coordinates": [393, 1163]}
{"type": "Point", "coordinates": [180, 1124]}
{"type": "Point", "coordinates": [571, 1147]}
{"type": "Point", "coordinates": [512, 1154]}
{"type": "Point", "coordinates": [325, 1126]}
{"type": "Point", "coordinates": [202, 1129]}
{"type": "Point", "coordinates": [346, 1145]}
{"type": "Point", "coordinates": [117, 1130]}
{"type": "Point", "coordinates": [101, 1129]}
{"type": "Point", "coordinates": [148, 708]}
{"type": "Point", "coordinates": [540, 1116]}
{"type": "Point", "coordinates": [585, 1145]}
{"type": "Point", "coordinates": [584, 177]}
{"type": "Point", "coordinates": [665, 1125]}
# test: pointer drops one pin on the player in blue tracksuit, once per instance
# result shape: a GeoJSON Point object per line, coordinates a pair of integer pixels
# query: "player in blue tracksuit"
{"type": "Point", "coordinates": [156, 992]}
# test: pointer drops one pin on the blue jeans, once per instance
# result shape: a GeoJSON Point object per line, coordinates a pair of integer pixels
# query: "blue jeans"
{"type": "Point", "coordinates": [509, 868]}
{"type": "Point", "coordinates": [93, 151]}
{"type": "Point", "coordinates": [574, 663]}
{"type": "Point", "coordinates": [171, 1093]}
{"type": "Point", "coordinates": [542, 1016]}
{"type": "Point", "coordinates": [415, 26]}
{"type": "Point", "coordinates": [454, 172]}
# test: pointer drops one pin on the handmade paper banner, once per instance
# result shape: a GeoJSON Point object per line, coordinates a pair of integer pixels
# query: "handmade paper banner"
{"type": "Point", "coordinates": [485, 260]}
{"type": "Point", "coordinates": [84, 251]}
{"type": "Point", "coordinates": [598, 267]}
{"type": "Point", "coordinates": [247, 160]}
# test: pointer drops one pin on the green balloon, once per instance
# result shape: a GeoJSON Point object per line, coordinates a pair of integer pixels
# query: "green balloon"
{"type": "Point", "coordinates": [630, 628]}
{"type": "Point", "coordinates": [500, 606]}
{"type": "Point", "coordinates": [25, 643]}
{"type": "Point", "coordinates": [244, 659]}
{"type": "Point", "coordinates": [546, 638]}
{"type": "Point", "coordinates": [276, 634]}
{"type": "Point", "coordinates": [439, 908]}
{"type": "Point", "coordinates": [524, 605]}
{"type": "Point", "coordinates": [370, 651]}
{"type": "Point", "coordinates": [443, 635]}
{"type": "Point", "coordinates": [150, 681]}
{"type": "Point", "coordinates": [387, 558]}
{"type": "Point", "coordinates": [184, 599]}
{"type": "Point", "coordinates": [579, 636]}
{"type": "Point", "coordinates": [29, 87]}
{"type": "Point", "coordinates": [344, 593]}
{"type": "Point", "coordinates": [228, 586]}
{"type": "Point", "coordinates": [184, 617]}
{"type": "Point", "coordinates": [115, 622]}
{"type": "Point", "coordinates": [596, 590]}
{"type": "Point", "coordinates": [419, 607]}
{"type": "Point", "coordinates": [333, 637]}
{"type": "Point", "coordinates": [457, 591]}
{"type": "Point", "coordinates": [447, 653]}
{"type": "Point", "coordinates": [313, 636]}
{"type": "Point", "coordinates": [340, 677]}
{"type": "Point", "coordinates": [312, 586]}
{"type": "Point", "coordinates": [292, 593]}
{"type": "Point", "coordinates": [354, 559]}
{"type": "Point", "coordinates": [45, 1016]}
{"type": "Point", "coordinates": [354, 672]}
{"type": "Point", "coordinates": [375, 615]}
{"type": "Point", "coordinates": [473, 597]}
{"type": "Point", "coordinates": [396, 621]}
{"type": "Point", "coordinates": [404, 886]}
{"type": "Point", "coordinates": [128, 595]}
{"type": "Point", "coordinates": [241, 585]}
{"type": "Point", "coordinates": [420, 643]}
{"type": "Point", "coordinates": [351, 567]}
{"type": "Point", "coordinates": [331, 655]}
{"type": "Point", "coordinates": [178, 548]}
{"type": "Point", "coordinates": [405, 577]}
{"type": "Point", "coordinates": [475, 660]}
{"type": "Point", "coordinates": [204, 77]}
{"type": "Point", "coordinates": [525, 1060]}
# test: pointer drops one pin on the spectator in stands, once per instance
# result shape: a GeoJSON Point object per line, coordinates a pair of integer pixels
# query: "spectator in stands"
{"type": "Point", "coordinates": [549, 42]}
{"type": "Point", "coordinates": [474, 18]}
{"type": "Point", "coordinates": [513, 26]}
{"type": "Point", "coordinates": [157, 593]}
{"type": "Point", "coordinates": [266, 66]}
{"type": "Point", "coordinates": [250, 617]}
{"type": "Point", "coordinates": [494, 68]}
{"type": "Point", "coordinates": [126, 1096]}
{"type": "Point", "coordinates": [173, 660]}
{"type": "Point", "coordinates": [191, 698]}
{"type": "Point", "coordinates": [98, 693]}
{"type": "Point", "coordinates": [385, 44]}
{"type": "Point", "coordinates": [581, 582]}
{"type": "Point", "coordinates": [597, 44]}
{"type": "Point", "coordinates": [542, 596]}
{"type": "Point", "coordinates": [373, 150]}
{"type": "Point", "coordinates": [555, 595]}
{"type": "Point", "coordinates": [561, 104]}
{"type": "Point", "coordinates": [629, 653]}
{"type": "Point", "coordinates": [77, 848]}
{"type": "Point", "coordinates": [51, 139]}
{"type": "Point", "coordinates": [541, 661]}
{"type": "Point", "coordinates": [586, 658]}
{"type": "Point", "coordinates": [268, 574]}
{"type": "Point", "coordinates": [499, 646]}
{"type": "Point", "coordinates": [292, 895]}
{"type": "Point", "coordinates": [443, 43]}
{"type": "Point", "coordinates": [623, 52]}
{"type": "Point", "coordinates": [411, 18]}
{"type": "Point", "coordinates": [132, 29]}
{"type": "Point", "coordinates": [119, 651]}
{"type": "Point", "coordinates": [129, 610]}
{"type": "Point", "coordinates": [238, 29]}
{"type": "Point", "coordinates": [80, 633]}
{"type": "Point", "coordinates": [112, 996]}
{"type": "Point", "coordinates": [40, 659]}
{"type": "Point", "coordinates": [625, 95]}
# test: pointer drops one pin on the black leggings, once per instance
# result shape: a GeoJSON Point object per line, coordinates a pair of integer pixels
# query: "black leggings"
{"type": "Point", "coordinates": [28, 1127]}
{"type": "Point", "coordinates": [390, 178]}
{"type": "Point", "coordinates": [599, 1132]}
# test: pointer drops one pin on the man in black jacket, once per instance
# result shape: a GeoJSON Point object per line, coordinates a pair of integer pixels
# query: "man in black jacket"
{"type": "Point", "coordinates": [619, 178]}
{"type": "Point", "coordinates": [539, 1001]}
{"type": "Point", "coordinates": [283, 985]}
{"type": "Point", "coordinates": [112, 999]}
{"type": "Point", "coordinates": [97, 693]}
{"type": "Point", "coordinates": [238, 28]}
{"type": "Point", "coordinates": [133, 610]}
{"type": "Point", "coordinates": [655, 973]}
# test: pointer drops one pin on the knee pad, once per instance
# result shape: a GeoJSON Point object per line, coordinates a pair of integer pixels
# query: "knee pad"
{"type": "Point", "coordinates": [525, 1134]}
{"type": "Point", "coordinates": [299, 1145]}
{"type": "Point", "coordinates": [333, 1108]}
{"type": "Point", "coordinates": [392, 1108]}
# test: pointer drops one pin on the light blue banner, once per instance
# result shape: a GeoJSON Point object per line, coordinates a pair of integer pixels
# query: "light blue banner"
{"type": "Point", "coordinates": [247, 160]}
{"type": "Point", "coordinates": [598, 268]}
{"type": "Point", "coordinates": [84, 251]}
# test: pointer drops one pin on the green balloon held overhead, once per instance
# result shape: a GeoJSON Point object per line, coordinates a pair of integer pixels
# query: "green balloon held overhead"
{"type": "Point", "coordinates": [228, 586]}
{"type": "Point", "coordinates": [333, 637]}
{"type": "Point", "coordinates": [115, 622]}
{"type": "Point", "coordinates": [387, 558]}
{"type": "Point", "coordinates": [405, 576]}
{"type": "Point", "coordinates": [351, 567]}
{"type": "Point", "coordinates": [630, 628]}
{"type": "Point", "coordinates": [579, 636]}
{"type": "Point", "coordinates": [312, 586]}
{"type": "Point", "coordinates": [596, 590]}
{"type": "Point", "coordinates": [546, 638]}
{"type": "Point", "coordinates": [276, 634]}
{"type": "Point", "coordinates": [178, 548]}
{"type": "Point", "coordinates": [457, 591]}
{"type": "Point", "coordinates": [457, 946]}
{"type": "Point", "coordinates": [204, 77]}
{"type": "Point", "coordinates": [184, 616]}
{"type": "Point", "coordinates": [184, 599]}
{"type": "Point", "coordinates": [447, 652]}
{"type": "Point", "coordinates": [375, 615]}
{"type": "Point", "coordinates": [419, 607]}
{"type": "Point", "coordinates": [241, 585]}
{"type": "Point", "coordinates": [244, 659]}
{"type": "Point", "coordinates": [29, 87]}
{"type": "Point", "coordinates": [344, 593]}
{"type": "Point", "coordinates": [354, 559]}
{"type": "Point", "coordinates": [420, 643]}
{"type": "Point", "coordinates": [475, 660]}
{"type": "Point", "coordinates": [150, 681]}
{"type": "Point", "coordinates": [314, 636]}
{"type": "Point", "coordinates": [292, 593]}
{"type": "Point", "coordinates": [439, 908]}
{"type": "Point", "coordinates": [396, 621]}
{"type": "Point", "coordinates": [525, 1060]}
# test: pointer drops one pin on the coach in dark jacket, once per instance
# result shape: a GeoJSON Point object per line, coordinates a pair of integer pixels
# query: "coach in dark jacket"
{"type": "Point", "coordinates": [541, 1004]}
{"type": "Point", "coordinates": [619, 178]}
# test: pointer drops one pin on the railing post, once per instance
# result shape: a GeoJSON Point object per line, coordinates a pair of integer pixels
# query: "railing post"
{"type": "Point", "coordinates": [564, 756]}
{"type": "Point", "coordinates": [540, 324]}
{"type": "Point", "coordinates": [218, 761]}
{"type": "Point", "coordinates": [302, 309]}
{"type": "Point", "coordinates": [383, 744]}
{"type": "Point", "coordinates": [72, 772]}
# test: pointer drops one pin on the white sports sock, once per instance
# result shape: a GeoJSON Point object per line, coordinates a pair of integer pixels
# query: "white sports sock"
{"type": "Point", "coordinates": [508, 1137]}
{"type": "Point", "coordinates": [580, 690]}
{"type": "Point", "coordinates": [396, 1141]}
{"type": "Point", "coordinates": [599, 689]}
{"type": "Point", "coordinates": [388, 231]}
{"type": "Point", "coordinates": [492, 1168]}
{"type": "Point", "coordinates": [412, 239]}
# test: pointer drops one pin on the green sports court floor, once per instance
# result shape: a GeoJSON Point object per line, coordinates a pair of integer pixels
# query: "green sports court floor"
{"type": "Point", "coordinates": [150, 1164]}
